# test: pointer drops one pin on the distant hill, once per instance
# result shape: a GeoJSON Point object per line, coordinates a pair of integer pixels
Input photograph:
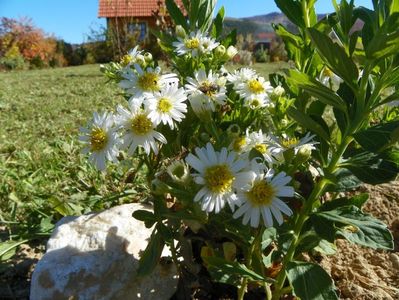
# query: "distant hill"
{"type": "Point", "coordinates": [259, 26]}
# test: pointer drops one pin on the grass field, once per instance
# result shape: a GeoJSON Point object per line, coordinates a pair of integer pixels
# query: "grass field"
{"type": "Point", "coordinates": [42, 174]}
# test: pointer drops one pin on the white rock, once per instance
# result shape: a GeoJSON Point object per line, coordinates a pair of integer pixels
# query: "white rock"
{"type": "Point", "coordinates": [95, 256]}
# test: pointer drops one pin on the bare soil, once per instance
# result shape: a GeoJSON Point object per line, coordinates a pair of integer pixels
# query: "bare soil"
{"type": "Point", "coordinates": [359, 273]}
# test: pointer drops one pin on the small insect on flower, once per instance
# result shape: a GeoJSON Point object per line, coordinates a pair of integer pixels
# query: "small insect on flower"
{"type": "Point", "coordinates": [167, 106]}
{"type": "Point", "coordinates": [260, 197]}
{"type": "Point", "coordinates": [101, 139]}
{"type": "Point", "coordinates": [138, 128]}
{"type": "Point", "coordinates": [205, 91]}
{"type": "Point", "coordinates": [285, 143]}
{"type": "Point", "coordinates": [219, 173]}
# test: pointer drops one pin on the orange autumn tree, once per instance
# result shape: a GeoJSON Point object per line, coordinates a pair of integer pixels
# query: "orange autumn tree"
{"type": "Point", "coordinates": [22, 39]}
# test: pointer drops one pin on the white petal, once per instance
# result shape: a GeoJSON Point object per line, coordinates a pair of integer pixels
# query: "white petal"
{"type": "Point", "coordinates": [277, 214]}
{"type": "Point", "coordinates": [282, 206]}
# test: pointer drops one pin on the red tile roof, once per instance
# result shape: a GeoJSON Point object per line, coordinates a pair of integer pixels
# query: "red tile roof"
{"type": "Point", "coordinates": [128, 8]}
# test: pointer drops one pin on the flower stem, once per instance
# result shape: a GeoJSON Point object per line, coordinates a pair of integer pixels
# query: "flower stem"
{"type": "Point", "coordinates": [304, 215]}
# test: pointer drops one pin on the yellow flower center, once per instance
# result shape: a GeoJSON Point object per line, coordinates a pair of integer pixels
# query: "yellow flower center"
{"type": "Point", "coordinates": [208, 88]}
{"type": "Point", "coordinates": [192, 43]}
{"type": "Point", "coordinates": [126, 59]}
{"type": "Point", "coordinates": [239, 143]}
{"type": "Point", "coordinates": [149, 81]}
{"type": "Point", "coordinates": [98, 139]}
{"type": "Point", "coordinates": [164, 105]}
{"type": "Point", "coordinates": [255, 86]}
{"type": "Point", "coordinates": [327, 72]}
{"type": "Point", "coordinates": [219, 178]}
{"type": "Point", "coordinates": [141, 124]}
{"type": "Point", "coordinates": [262, 148]}
{"type": "Point", "coordinates": [289, 143]}
{"type": "Point", "coordinates": [262, 193]}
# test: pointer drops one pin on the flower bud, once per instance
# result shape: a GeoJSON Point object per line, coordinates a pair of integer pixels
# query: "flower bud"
{"type": "Point", "coordinates": [304, 153]}
{"type": "Point", "coordinates": [148, 57]}
{"type": "Point", "coordinates": [140, 60]}
{"type": "Point", "coordinates": [179, 172]}
{"type": "Point", "coordinates": [220, 51]}
{"type": "Point", "coordinates": [234, 130]}
{"type": "Point", "coordinates": [278, 91]}
{"type": "Point", "coordinates": [180, 32]}
{"type": "Point", "coordinates": [221, 81]}
{"type": "Point", "coordinates": [231, 52]}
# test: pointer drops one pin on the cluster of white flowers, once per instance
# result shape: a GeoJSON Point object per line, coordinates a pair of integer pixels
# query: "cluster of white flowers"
{"type": "Point", "coordinates": [254, 89]}
{"type": "Point", "coordinates": [226, 176]}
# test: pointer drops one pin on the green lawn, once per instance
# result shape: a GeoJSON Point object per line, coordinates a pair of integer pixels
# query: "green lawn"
{"type": "Point", "coordinates": [42, 174]}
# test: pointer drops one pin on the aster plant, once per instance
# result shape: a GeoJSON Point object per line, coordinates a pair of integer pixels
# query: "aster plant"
{"type": "Point", "coordinates": [246, 173]}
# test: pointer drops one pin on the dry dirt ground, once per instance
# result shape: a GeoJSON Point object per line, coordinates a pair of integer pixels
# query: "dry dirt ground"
{"type": "Point", "coordinates": [359, 273]}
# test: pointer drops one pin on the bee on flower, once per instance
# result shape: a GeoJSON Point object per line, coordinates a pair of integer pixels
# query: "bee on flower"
{"type": "Point", "coordinates": [261, 198]}
{"type": "Point", "coordinates": [139, 82]}
{"type": "Point", "coordinates": [195, 43]}
{"type": "Point", "coordinates": [206, 91]}
{"type": "Point", "coordinates": [219, 174]}
{"type": "Point", "coordinates": [101, 140]}
{"type": "Point", "coordinates": [139, 129]}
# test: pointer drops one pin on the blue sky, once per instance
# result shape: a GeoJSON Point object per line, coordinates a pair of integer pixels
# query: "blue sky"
{"type": "Point", "coordinates": [71, 19]}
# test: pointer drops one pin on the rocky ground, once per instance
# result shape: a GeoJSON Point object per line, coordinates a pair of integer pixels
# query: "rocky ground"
{"type": "Point", "coordinates": [358, 272]}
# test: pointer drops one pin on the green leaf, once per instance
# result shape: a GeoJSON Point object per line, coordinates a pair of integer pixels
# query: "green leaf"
{"type": "Point", "coordinates": [308, 123]}
{"type": "Point", "coordinates": [386, 39]}
{"type": "Point", "coordinates": [217, 26]}
{"type": "Point", "coordinates": [230, 272]}
{"type": "Point", "coordinates": [230, 39]}
{"type": "Point", "coordinates": [358, 227]}
{"type": "Point", "coordinates": [336, 57]}
{"type": "Point", "coordinates": [310, 281]}
{"type": "Point", "coordinates": [150, 257]}
{"type": "Point", "coordinates": [317, 89]}
{"type": "Point", "coordinates": [357, 201]}
{"type": "Point", "coordinates": [146, 216]}
{"type": "Point", "coordinates": [8, 249]}
{"type": "Point", "coordinates": [268, 236]}
{"type": "Point", "coordinates": [326, 248]}
{"type": "Point", "coordinates": [372, 168]}
{"type": "Point", "coordinates": [176, 14]}
{"type": "Point", "coordinates": [378, 137]}
{"type": "Point", "coordinates": [293, 10]}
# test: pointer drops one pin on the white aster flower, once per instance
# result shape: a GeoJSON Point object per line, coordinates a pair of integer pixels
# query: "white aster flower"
{"type": "Point", "coordinates": [101, 139]}
{"type": "Point", "coordinates": [205, 91]}
{"type": "Point", "coordinates": [285, 143]}
{"type": "Point", "coordinates": [261, 142]}
{"type": "Point", "coordinates": [167, 106]}
{"type": "Point", "coordinates": [195, 43]}
{"type": "Point", "coordinates": [240, 76]}
{"type": "Point", "coordinates": [257, 101]}
{"type": "Point", "coordinates": [138, 127]}
{"type": "Point", "coordinates": [207, 44]}
{"type": "Point", "coordinates": [261, 195]}
{"type": "Point", "coordinates": [139, 82]}
{"type": "Point", "coordinates": [330, 79]}
{"type": "Point", "coordinates": [255, 86]}
{"type": "Point", "coordinates": [219, 173]}
{"type": "Point", "coordinates": [133, 56]}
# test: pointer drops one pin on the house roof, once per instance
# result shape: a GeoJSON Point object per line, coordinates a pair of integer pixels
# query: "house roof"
{"type": "Point", "coordinates": [128, 8]}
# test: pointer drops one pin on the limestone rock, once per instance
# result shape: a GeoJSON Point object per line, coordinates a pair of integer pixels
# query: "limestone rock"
{"type": "Point", "coordinates": [95, 256]}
